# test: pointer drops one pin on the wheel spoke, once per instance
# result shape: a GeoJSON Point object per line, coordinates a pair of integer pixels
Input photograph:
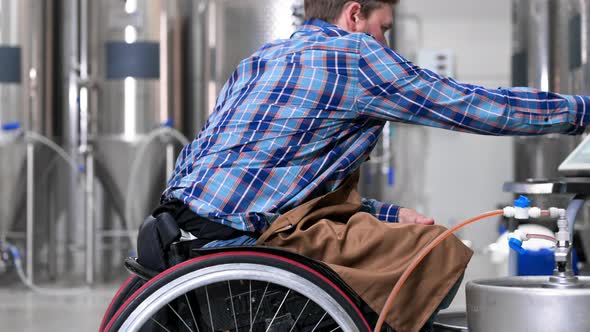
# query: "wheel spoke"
{"type": "Point", "coordinates": [179, 317]}
{"type": "Point", "coordinates": [259, 304]}
{"type": "Point", "coordinates": [160, 325]}
{"type": "Point", "coordinates": [318, 324]}
{"type": "Point", "coordinates": [192, 313]}
{"type": "Point", "coordinates": [278, 310]}
{"type": "Point", "coordinates": [250, 303]}
{"type": "Point", "coordinates": [231, 300]}
{"type": "Point", "coordinates": [209, 307]}
{"type": "Point", "coordinates": [301, 313]}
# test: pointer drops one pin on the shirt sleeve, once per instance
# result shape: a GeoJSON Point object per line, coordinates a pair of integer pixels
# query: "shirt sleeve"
{"type": "Point", "coordinates": [391, 88]}
{"type": "Point", "coordinates": [383, 211]}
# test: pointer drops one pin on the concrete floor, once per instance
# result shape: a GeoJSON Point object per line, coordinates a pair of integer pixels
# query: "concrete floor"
{"type": "Point", "coordinates": [22, 310]}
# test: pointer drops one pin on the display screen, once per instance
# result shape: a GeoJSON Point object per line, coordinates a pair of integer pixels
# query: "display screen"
{"type": "Point", "coordinates": [583, 156]}
{"type": "Point", "coordinates": [579, 160]}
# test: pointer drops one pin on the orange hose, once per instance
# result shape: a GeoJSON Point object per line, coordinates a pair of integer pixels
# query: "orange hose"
{"type": "Point", "coordinates": [419, 258]}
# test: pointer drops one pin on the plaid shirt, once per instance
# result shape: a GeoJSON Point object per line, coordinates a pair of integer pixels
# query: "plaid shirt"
{"type": "Point", "coordinates": [300, 115]}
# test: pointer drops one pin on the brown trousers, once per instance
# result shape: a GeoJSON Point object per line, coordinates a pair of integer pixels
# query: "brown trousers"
{"type": "Point", "coordinates": [370, 255]}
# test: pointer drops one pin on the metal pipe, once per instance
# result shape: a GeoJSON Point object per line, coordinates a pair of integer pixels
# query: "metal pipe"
{"type": "Point", "coordinates": [71, 64]}
{"type": "Point", "coordinates": [25, 31]}
{"type": "Point", "coordinates": [92, 129]}
{"type": "Point", "coordinates": [30, 208]}
{"type": "Point", "coordinates": [164, 69]}
{"type": "Point", "coordinates": [177, 71]}
{"type": "Point", "coordinates": [169, 160]}
{"type": "Point", "coordinates": [35, 71]}
{"type": "Point", "coordinates": [48, 68]}
{"type": "Point", "coordinates": [85, 149]}
{"type": "Point", "coordinates": [90, 246]}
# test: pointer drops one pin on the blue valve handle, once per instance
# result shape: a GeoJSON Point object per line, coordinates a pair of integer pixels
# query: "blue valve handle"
{"type": "Point", "coordinates": [516, 245]}
{"type": "Point", "coordinates": [522, 202]}
{"type": "Point", "coordinates": [14, 252]}
{"type": "Point", "coordinates": [167, 124]}
{"type": "Point", "coordinates": [11, 126]}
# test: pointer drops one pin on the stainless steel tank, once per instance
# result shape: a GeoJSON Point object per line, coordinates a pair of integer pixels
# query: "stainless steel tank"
{"type": "Point", "coordinates": [26, 97]}
{"type": "Point", "coordinates": [135, 86]}
{"type": "Point", "coordinates": [542, 59]}
{"type": "Point", "coordinates": [526, 304]}
{"type": "Point", "coordinates": [131, 100]}
{"type": "Point", "coordinates": [11, 97]}
{"type": "Point", "coordinates": [578, 32]}
{"type": "Point", "coordinates": [88, 102]}
{"type": "Point", "coordinates": [551, 52]}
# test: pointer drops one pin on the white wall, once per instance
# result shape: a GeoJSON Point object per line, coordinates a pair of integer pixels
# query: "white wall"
{"type": "Point", "coordinates": [462, 174]}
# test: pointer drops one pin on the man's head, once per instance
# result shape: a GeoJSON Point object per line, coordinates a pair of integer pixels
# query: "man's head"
{"type": "Point", "coordinates": [374, 17]}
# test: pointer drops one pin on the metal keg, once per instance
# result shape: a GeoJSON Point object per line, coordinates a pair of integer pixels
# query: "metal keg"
{"type": "Point", "coordinates": [528, 304]}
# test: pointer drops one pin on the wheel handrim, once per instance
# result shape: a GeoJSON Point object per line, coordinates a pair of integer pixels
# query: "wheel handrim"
{"type": "Point", "coordinates": [234, 272]}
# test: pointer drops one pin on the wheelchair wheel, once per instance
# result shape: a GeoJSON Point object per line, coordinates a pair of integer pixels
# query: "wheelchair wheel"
{"type": "Point", "coordinates": [239, 291]}
{"type": "Point", "coordinates": [129, 287]}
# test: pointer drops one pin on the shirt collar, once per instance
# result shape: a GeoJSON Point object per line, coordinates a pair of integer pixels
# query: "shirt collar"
{"type": "Point", "coordinates": [316, 25]}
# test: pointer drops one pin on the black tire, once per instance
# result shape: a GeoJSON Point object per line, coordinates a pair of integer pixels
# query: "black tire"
{"type": "Point", "coordinates": [345, 305]}
{"type": "Point", "coordinates": [130, 286]}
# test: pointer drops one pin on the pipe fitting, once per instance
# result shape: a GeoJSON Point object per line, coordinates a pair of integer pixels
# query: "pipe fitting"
{"type": "Point", "coordinates": [522, 213]}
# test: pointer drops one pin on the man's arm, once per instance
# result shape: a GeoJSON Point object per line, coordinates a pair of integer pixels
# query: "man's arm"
{"type": "Point", "coordinates": [394, 214]}
{"type": "Point", "coordinates": [382, 211]}
{"type": "Point", "coordinates": [394, 89]}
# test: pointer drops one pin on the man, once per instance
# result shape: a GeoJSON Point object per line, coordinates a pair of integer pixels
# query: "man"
{"type": "Point", "coordinates": [276, 163]}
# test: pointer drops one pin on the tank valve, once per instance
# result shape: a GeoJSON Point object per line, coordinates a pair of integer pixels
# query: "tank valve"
{"type": "Point", "coordinates": [5, 259]}
{"type": "Point", "coordinates": [11, 126]}
{"type": "Point", "coordinates": [563, 248]}
{"type": "Point", "coordinates": [522, 210]}
{"type": "Point", "coordinates": [10, 132]}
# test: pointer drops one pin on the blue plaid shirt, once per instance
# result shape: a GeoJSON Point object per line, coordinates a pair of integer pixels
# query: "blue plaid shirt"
{"type": "Point", "coordinates": [300, 115]}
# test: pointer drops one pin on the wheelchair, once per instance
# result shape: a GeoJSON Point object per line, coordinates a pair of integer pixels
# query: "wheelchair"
{"type": "Point", "coordinates": [242, 289]}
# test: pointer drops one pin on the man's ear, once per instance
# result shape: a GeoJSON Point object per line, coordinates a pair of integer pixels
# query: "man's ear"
{"type": "Point", "coordinates": [350, 17]}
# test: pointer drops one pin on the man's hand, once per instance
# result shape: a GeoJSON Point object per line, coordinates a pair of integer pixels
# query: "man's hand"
{"type": "Point", "coordinates": [409, 216]}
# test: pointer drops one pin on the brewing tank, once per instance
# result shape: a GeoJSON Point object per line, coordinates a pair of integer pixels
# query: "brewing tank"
{"type": "Point", "coordinates": [127, 43]}
{"type": "Point", "coordinates": [137, 62]}
{"type": "Point", "coordinates": [119, 60]}
{"type": "Point", "coordinates": [11, 95]}
{"type": "Point", "coordinates": [546, 53]}
{"type": "Point", "coordinates": [550, 51]}
{"type": "Point", "coordinates": [26, 96]}
{"type": "Point", "coordinates": [29, 218]}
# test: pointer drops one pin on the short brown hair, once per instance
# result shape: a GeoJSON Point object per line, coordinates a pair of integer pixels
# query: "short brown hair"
{"type": "Point", "coordinates": [330, 10]}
